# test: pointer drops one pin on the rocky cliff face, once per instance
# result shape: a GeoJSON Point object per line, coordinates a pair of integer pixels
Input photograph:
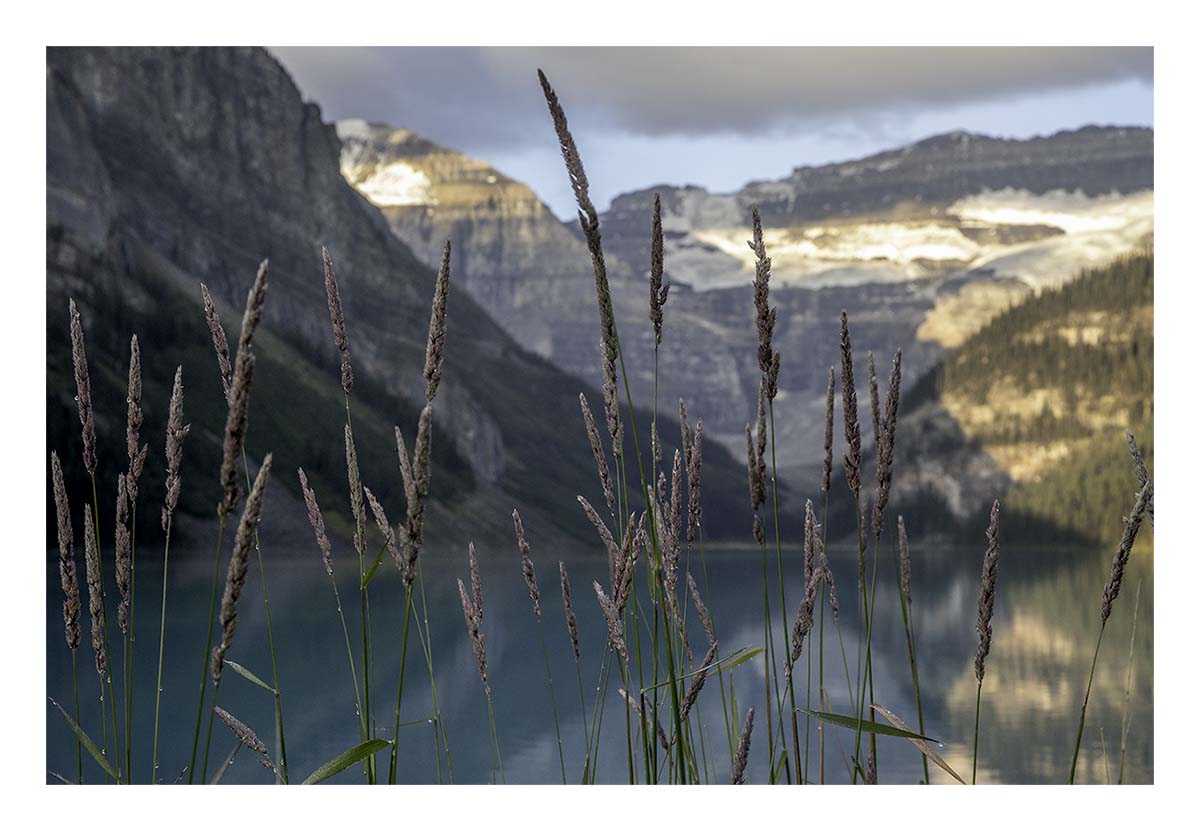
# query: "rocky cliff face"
{"type": "Point", "coordinates": [517, 260]}
{"type": "Point", "coordinates": [922, 245]}
{"type": "Point", "coordinates": [951, 204]}
{"type": "Point", "coordinates": [171, 166]}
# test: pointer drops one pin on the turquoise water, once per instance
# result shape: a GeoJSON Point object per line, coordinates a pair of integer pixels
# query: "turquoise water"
{"type": "Point", "coordinates": [1044, 633]}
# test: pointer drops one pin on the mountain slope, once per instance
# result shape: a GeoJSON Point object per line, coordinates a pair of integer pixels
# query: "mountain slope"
{"type": "Point", "coordinates": [948, 203]}
{"type": "Point", "coordinates": [171, 166]}
{"type": "Point", "coordinates": [520, 263]}
{"type": "Point", "coordinates": [922, 245]}
{"type": "Point", "coordinates": [1035, 407]}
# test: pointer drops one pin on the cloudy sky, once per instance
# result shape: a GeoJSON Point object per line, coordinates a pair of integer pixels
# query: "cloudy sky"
{"type": "Point", "coordinates": [716, 117]}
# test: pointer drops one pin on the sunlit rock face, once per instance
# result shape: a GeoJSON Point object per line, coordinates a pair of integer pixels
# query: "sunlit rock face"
{"type": "Point", "coordinates": [921, 245]}
{"type": "Point", "coordinates": [511, 253]}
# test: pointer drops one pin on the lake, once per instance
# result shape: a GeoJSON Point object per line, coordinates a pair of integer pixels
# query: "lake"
{"type": "Point", "coordinates": [1044, 634]}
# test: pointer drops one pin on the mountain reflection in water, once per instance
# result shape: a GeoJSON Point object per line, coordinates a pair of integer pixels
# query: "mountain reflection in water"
{"type": "Point", "coordinates": [1044, 631]}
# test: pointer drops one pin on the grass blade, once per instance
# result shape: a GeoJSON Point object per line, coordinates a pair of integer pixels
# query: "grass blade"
{"type": "Point", "coordinates": [919, 743]}
{"type": "Point", "coordinates": [226, 765]}
{"type": "Point", "coordinates": [88, 744]}
{"type": "Point", "coordinates": [366, 580]}
{"type": "Point", "coordinates": [867, 727]}
{"type": "Point", "coordinates": [352, 756]}
{"type": "Point", "coordinates": [249, 676]}
{"type": "Point", "coordinates": [735, 659]}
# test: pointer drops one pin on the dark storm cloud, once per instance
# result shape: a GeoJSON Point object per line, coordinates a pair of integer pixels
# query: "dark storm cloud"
{"type": "Point", "coordinates": [490, 97]}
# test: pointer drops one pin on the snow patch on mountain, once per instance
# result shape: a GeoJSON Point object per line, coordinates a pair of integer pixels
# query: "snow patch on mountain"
{"type": "Point", "coordinates": [1096, 230]}
{"type": "Point", "coordinates": [396, 183]}
{"type": "Point", "coordinates": [822, 255]}
{"type": "Point", "coordinates": [1086, 231]}
{"type": "Point", "coordinates": [386, 182]}
{"type": "Point", "coordinates": [1072, 212]}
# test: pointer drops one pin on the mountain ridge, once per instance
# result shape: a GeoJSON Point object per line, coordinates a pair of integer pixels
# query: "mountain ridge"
{"type": "Point", "coordinates": [941, 140]}
{"type": "Point", "coordinates": [921, 274]}
{"type": "Point", "coordinates": [171, 166]}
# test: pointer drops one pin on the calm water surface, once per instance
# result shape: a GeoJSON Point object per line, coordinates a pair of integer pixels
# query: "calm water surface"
{"type": "Point", "coordinates": [1044, 634]}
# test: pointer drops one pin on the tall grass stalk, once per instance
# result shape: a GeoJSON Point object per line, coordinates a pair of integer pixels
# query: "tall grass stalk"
{"type": "Point", "coordinates": [426, 640]}
{"type": "Point", "coordinates": [658, 299]}
{"type": "Point", "coordinates": [400, 685]}
{"type": "Point", "coordinates": [866, 693]}
{"type": "Point", "coordinates": [864, 666]}
{"type": "Point", "coordinates": [212, 614]}
{"type": "Point", "coordinates": [129, 639]}
{"type": "Point", "coordinates": [107, 679]}
{"type": "Point", "coordinates": [176, 432]}
{"type": "Point", "coordinates": [317, 521]}
{"type": "Point", "coordinates": [472, 607]}
{"type": "Point", "coordinates": [364, 601]}
{"type": "Point", "coordinates": [235, 582]}
{"type": "Point", "coordinates": [553, 703]}
{"type": "Point", "coordinates": [415, 475]}
{"type": "Point", "coordinates": [137, 460]}
{"type": "Point", "coordinates": [853, 471]}
{"type": "Point", "coordinates": [69, 579]}
{"type": "Point", "coordinates": [726, 705]}
{"type": "Point", "coordinates": [782, 596]}
{"type": "Point", "coordinates": [162, 636]}
{"type": "Point", "coordinates": [530, 575]}
{"type": "Point", "coordinates": [87, 422]}
{"type": "Point", "coordinates": [341, 341]}
{"type": "Point", "coordinates": [75, 693]}
{"type": "Point", "coordinates": [904, 591]}
{"type": "Point", "coordinates": [597, 720]}
{"type": "Point", "coordinates": [885, 439]}
{"type": "Point", "coordinates": [987, 602]}
{"type": "Point", "coordinates": [1126, 717]}
{"type": "Point", "coordinates": [826, 477]}
{"type": "Point", "coordinates": [237, 381]}
{"type": "Point", "coordinates": [1132, 523]}
{"type": "Point", "coordinates": [768, 365]}
{"type": "Point", "coordinates": [643, 735]}
{"type": "Point", "coordinates": [573, 635]}
{"type": "Point", "coordinates": [611, 352]}
{"type": "Point", "coordinates": [281, 772]}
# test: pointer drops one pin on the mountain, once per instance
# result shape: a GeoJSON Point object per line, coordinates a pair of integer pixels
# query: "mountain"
{"type": "Point", "coordinates": [1033, 409]}
{"type": "Point", "coordinates": [950, 203]}
{"type": "Point", "coordinates": [170, 166]}
{"type": "Point", "coordinates": [519, 262]}
{"type": "Point", "coordinates": [922, 245]}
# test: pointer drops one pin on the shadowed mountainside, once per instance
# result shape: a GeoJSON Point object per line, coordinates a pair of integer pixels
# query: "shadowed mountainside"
{"type": "Point", "coordinates": [171, 166]}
